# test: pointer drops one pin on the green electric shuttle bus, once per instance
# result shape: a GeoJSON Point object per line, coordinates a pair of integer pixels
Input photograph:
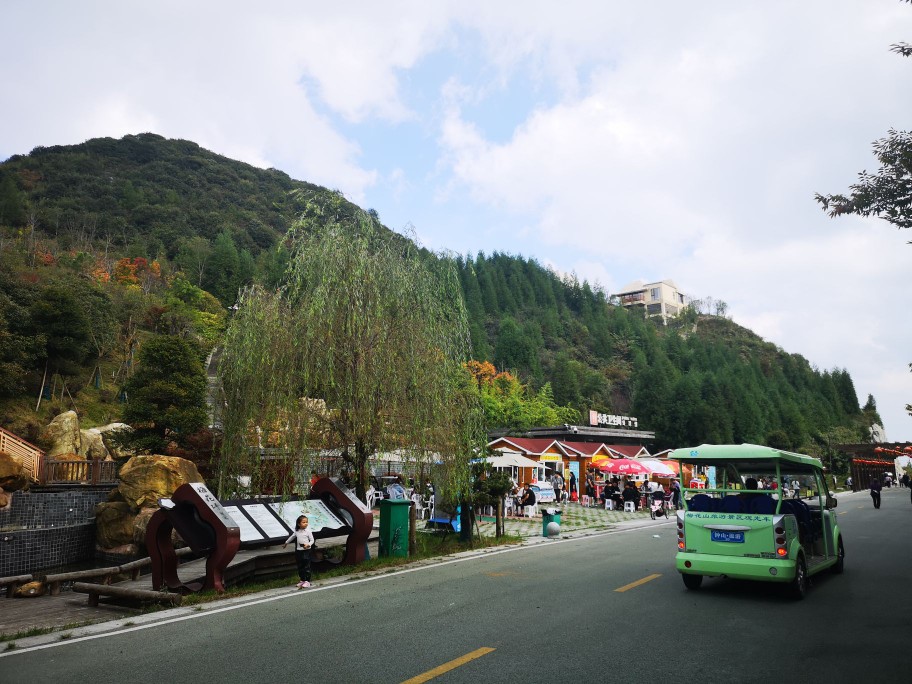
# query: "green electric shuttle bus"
{"type": "Point", "coordinates": [769, 518]}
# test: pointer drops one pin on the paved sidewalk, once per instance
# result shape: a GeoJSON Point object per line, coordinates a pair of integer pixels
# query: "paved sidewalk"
{"type": "Point", "coordinates": [68, 610]}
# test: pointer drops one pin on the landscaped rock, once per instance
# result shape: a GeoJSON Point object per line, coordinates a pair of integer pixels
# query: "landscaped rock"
{"type": "Point", "coordinates": [113, 524]}
{"type": "Point", "coordinates": [93, 445]}
{"type": "Point", "coordinates": [108, 434]}
{"type": "Point", "coordinates": [63, 434]}
{"type": "Point", "coordinates": [146, 479]}
{"type": "Point", "coordinates": [130, 551]}
{"type": "Point", "coordinates": [31, 590]}
{"type": "Point", "coordinates": [140, 523]}
{"type": "Point", "coordinates": [6, 499]}
{"type": "Point", "coordinates": [12, 473]}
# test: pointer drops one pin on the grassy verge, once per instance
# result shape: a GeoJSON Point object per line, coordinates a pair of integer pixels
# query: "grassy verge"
{"type": "Point", "coordinates": [37, 631]}
{"type": "Point", "coordinates": [429, 546]}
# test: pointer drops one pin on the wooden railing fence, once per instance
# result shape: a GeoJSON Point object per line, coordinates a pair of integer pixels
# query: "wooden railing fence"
{"type": "Point", "coordinates": [31, 455]}
{"type": "Point", "coordinates": [44, 470]}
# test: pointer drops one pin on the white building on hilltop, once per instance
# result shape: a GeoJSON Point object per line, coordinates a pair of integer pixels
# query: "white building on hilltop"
{"type": "Point", "coordinates": [661, 299]}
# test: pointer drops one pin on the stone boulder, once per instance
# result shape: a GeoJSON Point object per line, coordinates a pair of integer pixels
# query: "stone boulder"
{"type": "Point", "coordinates": [146, 479]}
{"type": "Point", "coordinates": [128, 551]}
{"type": "Point", "coordinates": [63, 434]}
{"type": "Point", "coordinates": [31, 590]}
{"type": "Point", "coordinates": [93, 445]}
{"type": "Point", "coordinates": [12, 473]}
{"type": "Point", "coordinates": [6, 499]}
{"type": "Point", "coordinates": [140, 523]}
{"type": "Point", "coordinates": [108, 432]}
{"type": "Point", "coordinates": [113, 524]}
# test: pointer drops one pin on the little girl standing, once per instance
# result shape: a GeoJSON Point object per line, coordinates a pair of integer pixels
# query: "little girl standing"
{"type": "Point", "coordinates": [304, 539]}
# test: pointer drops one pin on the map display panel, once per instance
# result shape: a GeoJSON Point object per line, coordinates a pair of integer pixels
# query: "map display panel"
{"type": "Point", "coordinates": [319, 516]}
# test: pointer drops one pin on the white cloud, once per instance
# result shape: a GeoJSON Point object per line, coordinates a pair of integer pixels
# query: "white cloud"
{"type": "Point", "coordinates": [618, 140]}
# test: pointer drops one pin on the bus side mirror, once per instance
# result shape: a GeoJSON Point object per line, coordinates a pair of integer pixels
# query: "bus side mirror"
{"type": "Point", "coordinates": [831, 501]}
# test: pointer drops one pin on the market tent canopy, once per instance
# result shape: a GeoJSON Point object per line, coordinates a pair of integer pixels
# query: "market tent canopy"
{"type": "Point", "coordinates": [676, 466]}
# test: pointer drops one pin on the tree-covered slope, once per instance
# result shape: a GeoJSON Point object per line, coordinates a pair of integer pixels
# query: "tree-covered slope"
{"type": "Point", "coordinates": [701, 378]}
{"type": "Point", "coordinates": [146, 193]}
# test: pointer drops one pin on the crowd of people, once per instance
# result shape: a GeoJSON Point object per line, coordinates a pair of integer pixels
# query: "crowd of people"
{"type": "Point", "coordinates": [618, 490]}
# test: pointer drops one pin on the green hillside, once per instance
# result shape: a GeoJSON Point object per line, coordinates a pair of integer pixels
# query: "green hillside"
{"type": "Point", "coordinates": [108, 242]}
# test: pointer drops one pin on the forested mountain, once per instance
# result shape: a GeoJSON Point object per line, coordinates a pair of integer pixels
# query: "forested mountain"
{"type": "Point", "coordinates": [701, 378]}
{"type": "Point", "coordinates": [105, 242]}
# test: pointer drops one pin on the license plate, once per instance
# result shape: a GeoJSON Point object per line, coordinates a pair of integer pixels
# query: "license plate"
{"type": "Point", "coordinates": [723, 536]}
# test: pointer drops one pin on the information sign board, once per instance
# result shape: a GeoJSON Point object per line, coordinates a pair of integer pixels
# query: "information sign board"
{"type": "Point", "coordinates": [262, 515]}
{"type": "Point", "coordinates": [248, 531]}
{"type": "Point", "coordinates": [213, 503]}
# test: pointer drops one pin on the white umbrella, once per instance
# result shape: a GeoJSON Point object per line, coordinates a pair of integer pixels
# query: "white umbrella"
{"type": "Point", "coordinates": [657, 467]}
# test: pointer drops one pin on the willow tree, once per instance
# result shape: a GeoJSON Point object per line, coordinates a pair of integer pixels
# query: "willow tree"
{"type": "Point", "coordinates": [360, 351]}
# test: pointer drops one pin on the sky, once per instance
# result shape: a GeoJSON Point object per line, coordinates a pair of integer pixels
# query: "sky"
{"type": "Point", "coordinates": [616, 140]}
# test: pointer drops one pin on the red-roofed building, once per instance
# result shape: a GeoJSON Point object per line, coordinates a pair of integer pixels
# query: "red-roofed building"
{"type": "Point", "coordinates": [624, 451]}
{"type": "Point", "coordinates": [572, 448]}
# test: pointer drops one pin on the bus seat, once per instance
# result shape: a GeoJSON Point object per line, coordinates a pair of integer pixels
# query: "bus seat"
{"type": "Point", "coordinates": [700, 502]}
{"type": "Point", "coordinates": [732, 504]}
{"type": "Point", "coordinates": [762, 504]}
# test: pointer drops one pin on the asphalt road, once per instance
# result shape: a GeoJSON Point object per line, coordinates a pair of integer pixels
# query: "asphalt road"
{"type": "Point", "coordinates": [605, 608]}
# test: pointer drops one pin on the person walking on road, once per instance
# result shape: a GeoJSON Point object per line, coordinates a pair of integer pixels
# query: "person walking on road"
{"type": "Point", "coordinates": [304, 540]}
{"type": "Point", "coordinates": [875, 491]}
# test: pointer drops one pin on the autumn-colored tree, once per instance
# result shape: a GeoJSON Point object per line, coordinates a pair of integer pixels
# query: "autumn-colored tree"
{"type": "Point", "coordinates": [507, 403]}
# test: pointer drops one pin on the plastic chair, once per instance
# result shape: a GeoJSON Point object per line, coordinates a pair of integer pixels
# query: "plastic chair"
{"type": "Point", "coordinates": [419, 506]}
{"type": "Point", "coordinates": [584, 501]}
{"type": "Point", "coordinates": [530, 511]}
{"type": "Point", "coordinates": [609, 505]}
{"type": "Point", "coordinates": [629, 507]}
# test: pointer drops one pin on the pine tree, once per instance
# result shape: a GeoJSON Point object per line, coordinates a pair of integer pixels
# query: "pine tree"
{"type": "Point", "coordinates": [166, 396]}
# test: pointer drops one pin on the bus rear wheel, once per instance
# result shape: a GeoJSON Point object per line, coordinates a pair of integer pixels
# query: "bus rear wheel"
{"type": "Point", "coordinates": [840, 558]}
{"type": "Point", "coordinates": [692, 581]}
{"type": "Point", "coordinates": [799, 585]}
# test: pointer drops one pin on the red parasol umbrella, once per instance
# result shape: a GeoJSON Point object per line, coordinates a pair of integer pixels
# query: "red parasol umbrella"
{"type": "Point", "coordinates": [622, 466]}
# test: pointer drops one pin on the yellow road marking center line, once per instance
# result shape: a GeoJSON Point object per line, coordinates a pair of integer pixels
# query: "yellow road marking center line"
{"type": "Point", "coordinates": [446, 667]}
{"type": "Point", "coordinates": [632, 585]}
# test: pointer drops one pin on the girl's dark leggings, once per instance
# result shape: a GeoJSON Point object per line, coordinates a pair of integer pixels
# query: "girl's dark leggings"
{"type": "Point", "coordinates": [302, 558]}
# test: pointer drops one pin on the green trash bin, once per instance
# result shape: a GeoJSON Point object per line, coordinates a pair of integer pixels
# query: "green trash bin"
{"type": "Point", "coordinates": [394, 527]}
{"type": "Point", "coordinates": [550, 515]}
